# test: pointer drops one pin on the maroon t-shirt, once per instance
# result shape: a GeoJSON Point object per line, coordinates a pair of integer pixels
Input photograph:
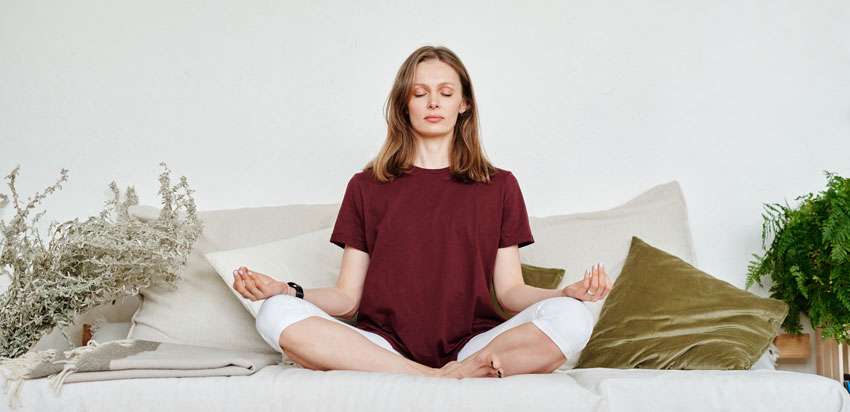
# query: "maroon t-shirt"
{"type": "Point", "coordinates": [432, 243]}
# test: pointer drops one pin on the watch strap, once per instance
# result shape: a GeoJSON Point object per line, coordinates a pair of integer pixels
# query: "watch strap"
{"type": "Point", "coordinates": [299, 291]}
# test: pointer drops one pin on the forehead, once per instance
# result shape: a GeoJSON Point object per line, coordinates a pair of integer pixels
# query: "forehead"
{"type": "Point", "coordinates": [435, 73]}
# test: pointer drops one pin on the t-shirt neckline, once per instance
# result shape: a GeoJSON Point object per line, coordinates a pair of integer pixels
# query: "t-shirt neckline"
{"type": "Point", "coordinates": [417, 169]}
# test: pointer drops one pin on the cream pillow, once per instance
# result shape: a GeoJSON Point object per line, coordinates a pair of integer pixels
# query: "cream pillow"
{"type": "Point", "coordinates": [120, 312]}
{"type": "Point", "coordinates": [577, 241]}
{"type": "Point", "coordinates": [109, 331]}
{"type": "Point", "coordinates": [309, 260]}
{"type": "Point", "coordinates": [201, 309]}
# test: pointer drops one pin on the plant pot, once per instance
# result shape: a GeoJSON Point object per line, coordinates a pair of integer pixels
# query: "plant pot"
{"type": "Point", "coordinates": [831, 357]}
{"type": "Point", "coordinates": [793, 348]}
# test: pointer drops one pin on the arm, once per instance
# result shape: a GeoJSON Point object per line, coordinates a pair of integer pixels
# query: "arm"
{"type": "Point", "coordinates": [342, 300]}
{"type": "Point", "coordinates": [511, 291]}
{"type": "Point", "coordinates": [514, 295]}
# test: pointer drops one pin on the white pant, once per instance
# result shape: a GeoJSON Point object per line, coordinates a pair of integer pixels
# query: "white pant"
{"type": "Point", "coordinates": [564, 320]}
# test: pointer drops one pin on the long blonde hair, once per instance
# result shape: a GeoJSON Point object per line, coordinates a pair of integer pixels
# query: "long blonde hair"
{"type": "Point", "coordinates": [467, 161]}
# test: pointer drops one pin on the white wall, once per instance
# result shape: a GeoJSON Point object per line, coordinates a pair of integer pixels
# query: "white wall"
{"type": "Point", "coordinates": [589, 103]}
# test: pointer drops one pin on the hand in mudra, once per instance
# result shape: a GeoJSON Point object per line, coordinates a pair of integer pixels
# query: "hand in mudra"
{"type": "Point", "coordinates": [257, 286]}
{"type": "Point", "coordinates": [593, 287]}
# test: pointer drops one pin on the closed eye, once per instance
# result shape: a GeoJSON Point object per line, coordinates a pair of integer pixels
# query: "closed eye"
{"type": "Point", "coordinates": [420, 95]}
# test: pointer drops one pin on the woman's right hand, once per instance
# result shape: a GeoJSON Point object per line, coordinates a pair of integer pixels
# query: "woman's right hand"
{"type": "Point", "coordinates": [256, 286]}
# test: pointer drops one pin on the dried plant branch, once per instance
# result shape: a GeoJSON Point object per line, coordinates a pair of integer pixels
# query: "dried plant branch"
{"type": "Point", "coordinates": [87, 264]}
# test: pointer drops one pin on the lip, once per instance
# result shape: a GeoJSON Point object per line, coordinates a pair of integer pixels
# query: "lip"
{"type": "Point", "coordinates": [434, 119]}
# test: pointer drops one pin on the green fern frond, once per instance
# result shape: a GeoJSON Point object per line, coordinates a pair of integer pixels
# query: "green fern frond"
{"type": "Point", "coordinates": [807, 256]}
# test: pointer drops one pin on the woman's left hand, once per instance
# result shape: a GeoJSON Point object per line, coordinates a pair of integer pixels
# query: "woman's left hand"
{"type": "Point", "coordinates": [593, 287]}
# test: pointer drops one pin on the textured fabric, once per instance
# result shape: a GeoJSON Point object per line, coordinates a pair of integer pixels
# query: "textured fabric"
{"type": "Point", "coordinates": [128, 359]}
{"type": "Point", "coordinates": [664, 313]}
{"type": "Point", "coordinates": [306, 259]}
{"type": "Point", "coordinates": [432, 242]}
{"type": "Point", "coordinates": [109, 331]}
{"type": "Point", "coordinates": [577, 241]}
{"type": "Point", "coordinates": [540, 277]}
{"type": "Point", "coordinates": [537, 276]}
{"type": "Point", "coordinates": [201, 310]}
{"type": "Point", "coordinates": [579, 390]}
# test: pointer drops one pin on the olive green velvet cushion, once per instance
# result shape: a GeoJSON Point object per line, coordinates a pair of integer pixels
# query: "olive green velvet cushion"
{"type": "Point", "coordinates": [546, 278]}
{"type": "Point", "coordinates": [663, 313]}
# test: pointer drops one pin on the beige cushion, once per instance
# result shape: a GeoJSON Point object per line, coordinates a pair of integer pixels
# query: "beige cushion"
{"type": "Point", "coordinates": [121, 311]}
{"type": "Point", "coordinates": [577, 241]}
{"type": "Point", "coordinates": [201, 310]}
{"type": "Point", "coordinates": [109, 331]}
{"type": "Point", "coordinates": [308, 259]}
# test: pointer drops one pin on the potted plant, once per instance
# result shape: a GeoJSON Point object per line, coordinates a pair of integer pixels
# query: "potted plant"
{"type": "Point", "coordinates": [808, 259]}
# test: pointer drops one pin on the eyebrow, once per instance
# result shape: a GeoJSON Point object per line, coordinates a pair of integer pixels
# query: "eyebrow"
{"type": "Point", "coordinates": [443, 83]}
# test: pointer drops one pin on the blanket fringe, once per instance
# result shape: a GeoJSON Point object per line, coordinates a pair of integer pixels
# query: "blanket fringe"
{"type": "Point", "coordinates": [15, 370]}
{"type": "Point", "coordinates": [72, 357]}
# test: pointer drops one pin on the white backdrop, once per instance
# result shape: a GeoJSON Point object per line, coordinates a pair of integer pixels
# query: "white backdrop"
{"type": "Point", "coordinates": [589, 103]}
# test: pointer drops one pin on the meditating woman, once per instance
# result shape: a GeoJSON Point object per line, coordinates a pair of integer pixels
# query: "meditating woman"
{"type": "Point", "coordinates": [428, 227]}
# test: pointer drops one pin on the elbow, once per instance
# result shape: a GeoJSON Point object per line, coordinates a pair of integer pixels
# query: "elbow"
{"type": "Point", "coordinates": [349, 314]}
{"type": "Point", "coordinates": [352, 307]}
{"type": "Point", "coordinates": [506, 297]}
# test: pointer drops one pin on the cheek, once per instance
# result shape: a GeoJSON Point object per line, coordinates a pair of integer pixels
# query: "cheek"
{"type": "Point", "coordinates": [413, 109]}
{"type": "Point", "coordinates": [413, 115]}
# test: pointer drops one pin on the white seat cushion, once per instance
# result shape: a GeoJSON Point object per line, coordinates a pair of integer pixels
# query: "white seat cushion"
{"type": "Point", "coordinates": [593, 389]}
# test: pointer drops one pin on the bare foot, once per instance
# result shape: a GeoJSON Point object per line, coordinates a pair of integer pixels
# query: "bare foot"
{"type": "Point", "coordinates": [478, 365]}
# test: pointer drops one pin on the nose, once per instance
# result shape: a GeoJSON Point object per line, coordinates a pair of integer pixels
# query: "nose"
{"type": "Point", "coordinates": [432, 104]}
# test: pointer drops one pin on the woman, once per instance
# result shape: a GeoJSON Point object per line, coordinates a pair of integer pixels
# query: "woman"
{"type": "Point", "coordinates": [427, 227]}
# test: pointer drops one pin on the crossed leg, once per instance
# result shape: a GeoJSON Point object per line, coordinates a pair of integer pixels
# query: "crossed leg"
{"type": "Point", "coordinates": [315, 340]}
{"type": "Point", "coordinates": [536, 340]}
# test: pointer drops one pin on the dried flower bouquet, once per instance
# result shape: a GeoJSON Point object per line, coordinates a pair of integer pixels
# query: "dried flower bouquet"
{"type": "Point", "coordinates": [90, 263]}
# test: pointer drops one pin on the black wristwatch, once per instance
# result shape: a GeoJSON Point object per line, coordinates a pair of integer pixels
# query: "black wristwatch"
{"type": "Point", "coordinates": [299, 291]}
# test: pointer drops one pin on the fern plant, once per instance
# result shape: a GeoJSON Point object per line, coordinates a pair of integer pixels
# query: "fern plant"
{"type": "Point", "coordinates": [809, 258]}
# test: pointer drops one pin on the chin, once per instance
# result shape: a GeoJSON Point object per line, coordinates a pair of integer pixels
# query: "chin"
{"type": "Point", "coordinates": [433, 131]}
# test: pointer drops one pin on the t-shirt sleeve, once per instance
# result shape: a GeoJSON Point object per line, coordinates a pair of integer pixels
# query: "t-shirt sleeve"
{"type": "Point", "coordinates": [350, 226]}
{"type": "Point", "coordinates": [516, 229]}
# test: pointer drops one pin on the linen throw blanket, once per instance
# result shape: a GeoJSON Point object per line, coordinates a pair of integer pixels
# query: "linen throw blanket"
{"type": "Point", "coordinates": [128, 359]}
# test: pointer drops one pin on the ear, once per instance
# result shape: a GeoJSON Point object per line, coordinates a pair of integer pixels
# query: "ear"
{"type": "Point", "coordinates": [463, 107]}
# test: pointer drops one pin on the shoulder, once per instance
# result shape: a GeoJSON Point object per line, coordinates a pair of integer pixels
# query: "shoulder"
{"type": "Point", "coordinates": [502, 172]}
{"type": "Point", "coordinates": [363, 177]}
{"type": "Point", "coordinates": [354, 184]}
{"type": "Point", "coordinates": [362, 180]}
{"type": "Point", "coordinates": [358, 176]}
{"type": "Point", "coordinates": [503, 177]}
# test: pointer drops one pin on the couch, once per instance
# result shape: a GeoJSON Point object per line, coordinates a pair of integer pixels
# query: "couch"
{"type": "Point", "coordinates": [203, 311]}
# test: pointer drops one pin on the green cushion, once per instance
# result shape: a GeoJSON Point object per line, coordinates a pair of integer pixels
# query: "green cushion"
{"type": "Point", "coordinates": [663, 313]}
{"type": "Point", "coordinates": [546, 278]}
